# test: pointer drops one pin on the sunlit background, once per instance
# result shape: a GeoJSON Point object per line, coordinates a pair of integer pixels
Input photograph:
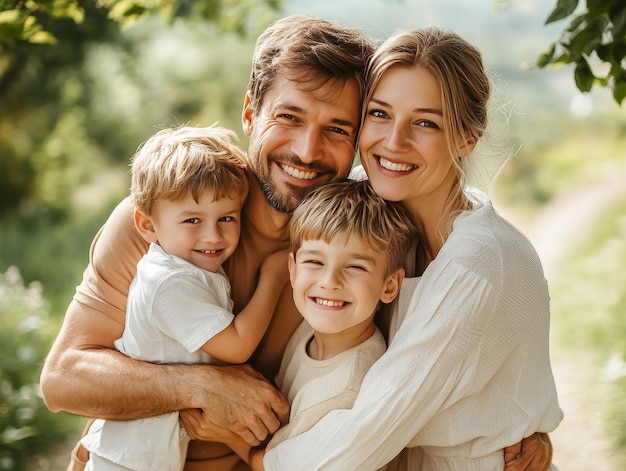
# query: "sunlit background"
{"type": "Point", "coordinates": [68, 129]}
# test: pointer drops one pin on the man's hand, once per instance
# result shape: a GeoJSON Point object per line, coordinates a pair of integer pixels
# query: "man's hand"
{"type": "Point", "coordinates": [244, 403]}
{"type": "Point", "coordinates": [533, 453]}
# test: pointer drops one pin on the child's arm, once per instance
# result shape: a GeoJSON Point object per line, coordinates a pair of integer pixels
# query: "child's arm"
{"type": "Point", "coordinates": [238, 341]}
{"type": "Point", "coordinates": [253, 456]}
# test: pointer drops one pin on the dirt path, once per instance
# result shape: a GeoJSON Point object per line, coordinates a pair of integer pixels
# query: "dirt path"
{"type": "Point", "coordinates": [579, 443]}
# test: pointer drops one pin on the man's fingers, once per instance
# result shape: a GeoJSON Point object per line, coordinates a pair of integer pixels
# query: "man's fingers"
{"type": "Point", "coordinates": [535, 454]}
{"type": "Point", "coordinates": [512, 452]}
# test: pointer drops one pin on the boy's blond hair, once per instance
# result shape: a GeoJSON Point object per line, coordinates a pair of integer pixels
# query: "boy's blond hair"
{"type": "Point", "coordinates": [183, 161]}
{"type": "Point", "coordinates": [352, 208]}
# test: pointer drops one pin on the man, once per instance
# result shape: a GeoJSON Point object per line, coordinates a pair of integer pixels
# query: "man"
{"type": "Point", "coordinates": [302, 113]}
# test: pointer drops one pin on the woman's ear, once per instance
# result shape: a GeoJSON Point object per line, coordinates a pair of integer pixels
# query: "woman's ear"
{"type": "Point", "coordinates": [467, 147]}
{"type": "Point", "coordinates": [145, 226]}
{"type": "Point", "coordinates": [392, 286]}
{"type": "Point", "coordinates": [247, 114]}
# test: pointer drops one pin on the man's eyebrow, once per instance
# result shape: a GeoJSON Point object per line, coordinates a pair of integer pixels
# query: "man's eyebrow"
{"type": "Point", "coordinates": [297, 109]}
{"type": "Point", "coordinates": [436, 111]}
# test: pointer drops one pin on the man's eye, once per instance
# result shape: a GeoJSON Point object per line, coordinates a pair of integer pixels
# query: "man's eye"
{"type": "Point", "coordinates": [288, 117]}
{"type": "Point", "coordinates": [338, 131]}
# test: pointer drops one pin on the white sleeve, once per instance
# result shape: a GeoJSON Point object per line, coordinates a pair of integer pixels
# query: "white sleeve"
{"type": "Point", "coordinates": [429, 365]}
{"type": "Point", "coordinates": [188, 311]}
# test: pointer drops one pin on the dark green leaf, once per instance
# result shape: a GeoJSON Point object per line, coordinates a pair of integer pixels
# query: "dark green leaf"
{"type": "Point", "coordinates": [545, 58]}
{"type": "Point", "coordinates": [584, 76]}
{"type": "Point", "coordinates": [563, 9]}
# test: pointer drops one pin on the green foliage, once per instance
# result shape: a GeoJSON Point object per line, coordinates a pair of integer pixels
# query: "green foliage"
{"type": "Point", "coordinates": [594, 41]}
{"type": "Point", "coordinates": [74, 109]}
{"type": "Point", "coordinates": [554, 158]}
{"type": "Point", "coordinates": [588, 306]}
{"type": "Point", "coordinates": [27, 428]}
{"type": "Point", "coordinates": [27, 20]}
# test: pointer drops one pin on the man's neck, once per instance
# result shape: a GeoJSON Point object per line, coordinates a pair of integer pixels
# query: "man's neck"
{"type": "Point", "coordinates": [263, 217]}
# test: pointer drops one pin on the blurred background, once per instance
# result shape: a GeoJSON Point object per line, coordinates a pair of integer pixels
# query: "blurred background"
{"type": "Point", "coordinates": [93, 80]}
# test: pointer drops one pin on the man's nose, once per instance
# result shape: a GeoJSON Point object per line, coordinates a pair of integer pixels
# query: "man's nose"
{"type": "Point", "coordinates": [308, 144]}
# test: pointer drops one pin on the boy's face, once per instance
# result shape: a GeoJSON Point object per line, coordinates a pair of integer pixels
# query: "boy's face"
{"type": "Point", "coordinates": [205, 233]}
{"type": "Point", "coordinates": [337, 286]}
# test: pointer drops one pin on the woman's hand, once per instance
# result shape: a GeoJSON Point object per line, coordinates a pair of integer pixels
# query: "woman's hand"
{"type": "Point", "coordinates": [533, 453]}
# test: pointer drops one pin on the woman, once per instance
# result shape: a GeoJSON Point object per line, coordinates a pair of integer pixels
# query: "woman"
{"type": "Point", "coordinates": [467, 371]}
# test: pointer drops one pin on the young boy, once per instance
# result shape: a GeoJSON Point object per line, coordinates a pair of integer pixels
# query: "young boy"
{"type": "Point", "coordinates": [348, 249]}
{"type": "Point", "coordinates": [188, 187]}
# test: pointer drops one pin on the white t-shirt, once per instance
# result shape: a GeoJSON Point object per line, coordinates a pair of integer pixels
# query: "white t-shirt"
{"type": "Point", "coordinates": [174, 307]}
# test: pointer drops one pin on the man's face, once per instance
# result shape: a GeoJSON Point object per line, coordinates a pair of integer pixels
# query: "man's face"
{"type": "Point", "coordinates": [300, 139]}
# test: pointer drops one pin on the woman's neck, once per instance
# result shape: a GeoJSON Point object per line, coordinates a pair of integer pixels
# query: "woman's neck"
{"type": "Point", "coordinates": [433, 216]}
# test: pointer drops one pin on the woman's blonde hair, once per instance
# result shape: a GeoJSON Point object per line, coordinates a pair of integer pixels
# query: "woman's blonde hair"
{"type": "Point", "coordinates": [183, 161]}
{"type": "Point", "coordinates": [352, 208]}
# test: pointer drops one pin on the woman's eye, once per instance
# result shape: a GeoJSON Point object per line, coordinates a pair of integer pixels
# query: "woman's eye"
{"type": "Point", "coordinates": [428, 124]}
{"type": "Point", "coordinates": [378, 113]}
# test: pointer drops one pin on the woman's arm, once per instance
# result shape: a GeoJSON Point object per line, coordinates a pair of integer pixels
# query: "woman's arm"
{"type": "Point", "coordinates": [438, 362]}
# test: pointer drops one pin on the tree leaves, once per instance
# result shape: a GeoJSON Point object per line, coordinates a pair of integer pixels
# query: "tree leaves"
{"type": "Point", "coordinates": [594, 39]}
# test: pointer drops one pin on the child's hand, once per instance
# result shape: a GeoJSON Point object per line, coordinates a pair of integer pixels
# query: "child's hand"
{"type": "Point", "coordinates": [275, 266]}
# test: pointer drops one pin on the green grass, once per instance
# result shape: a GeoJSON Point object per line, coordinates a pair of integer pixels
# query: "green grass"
{"type": "Point", "coordinates": [589, 319]}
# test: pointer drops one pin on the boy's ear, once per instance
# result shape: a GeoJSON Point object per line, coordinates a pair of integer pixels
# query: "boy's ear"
{"type": "Point", "coordinates": [144, 225]}
{"type": "Point", "coordinates": [392, 286]}
{"type": "Point", "coordinates": [292, 268]}
{"type": "Point", "coordinates": [247, 115]}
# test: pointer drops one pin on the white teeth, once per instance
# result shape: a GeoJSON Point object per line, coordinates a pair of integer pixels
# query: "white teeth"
{"type": "Point", "coordinates": [301, 174]}
{"type": "Point", "coordinates": [329, 302]}
{"type": "Point", "coordinates": [208, 251]}
{"type": "Point", "coordinates": [389, 165]}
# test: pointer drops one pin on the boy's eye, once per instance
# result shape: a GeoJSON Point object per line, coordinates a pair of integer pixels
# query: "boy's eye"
{"type": "Point", "coordinates": [192, 220]}
{"type": "Point", "coordinates": [227, 219]}
{"type": "Point", "coordinates": [357, 267]}
{"type": "Point", "coordinates": [311, 262]}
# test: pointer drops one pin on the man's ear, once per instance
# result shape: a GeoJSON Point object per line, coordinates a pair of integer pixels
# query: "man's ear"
{"type": "Point", "coordinates": [392, 286]}
{"type": "Point", "coordinates": [144, 225]}
{"type": "Point", "coordinates": [247, 115]}
{"type": "Point", "coordinates": [292, 268]}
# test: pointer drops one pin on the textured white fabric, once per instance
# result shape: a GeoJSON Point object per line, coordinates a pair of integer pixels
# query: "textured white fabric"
{"type": "Point", "coordinates": [467, 371]}
{"type": "Point", "coordinates": [174, 307]}
{"type": "Point", "coordinates": [315, 387]}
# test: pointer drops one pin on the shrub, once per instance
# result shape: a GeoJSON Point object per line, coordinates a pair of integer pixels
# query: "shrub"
{"type": "Point", "coordinates": [27, 428]}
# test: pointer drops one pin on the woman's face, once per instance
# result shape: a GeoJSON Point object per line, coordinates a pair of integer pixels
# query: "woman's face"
{"type": "Point", "coordinates": [402, 144]}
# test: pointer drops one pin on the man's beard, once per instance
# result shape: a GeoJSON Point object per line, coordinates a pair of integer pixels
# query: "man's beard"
{"type": "Point", "coordinates": [281, 202]}
{"type": "Point", "coordinates": [289, 201]}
